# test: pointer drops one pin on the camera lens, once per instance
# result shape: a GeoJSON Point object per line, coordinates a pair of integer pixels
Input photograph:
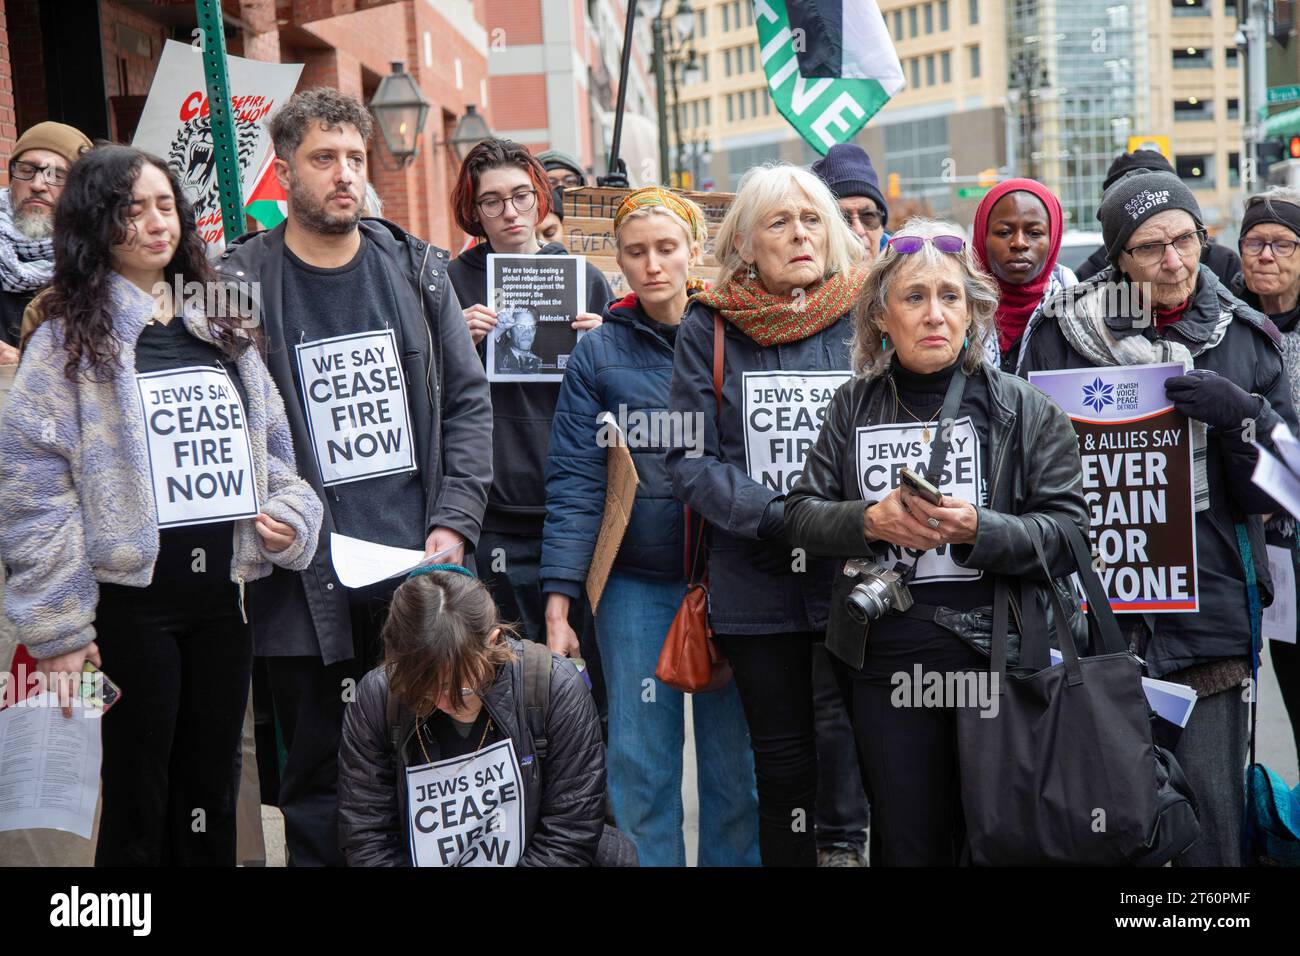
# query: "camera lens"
{"type": "Point", "coordinates": [868, 601]}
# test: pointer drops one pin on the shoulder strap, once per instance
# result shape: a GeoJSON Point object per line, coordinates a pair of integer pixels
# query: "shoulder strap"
{"type": "Point", "coordinates": [537, 694]}
{"type": "Point", "coordinates": [394, 722]}
{"type": "Point", "coordinates": [719, 350]}
{"type": "Point", "coordinates": [947, 416]}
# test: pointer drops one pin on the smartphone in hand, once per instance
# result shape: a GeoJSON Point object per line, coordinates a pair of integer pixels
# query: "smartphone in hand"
{"type": "Point", "coordinates": [96, 689]}
{"type": "Point", "coordinates": [920, 486]}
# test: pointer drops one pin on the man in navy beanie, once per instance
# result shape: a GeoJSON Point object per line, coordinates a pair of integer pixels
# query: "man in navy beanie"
{"type": "Point", "coordinates": [846, 169]}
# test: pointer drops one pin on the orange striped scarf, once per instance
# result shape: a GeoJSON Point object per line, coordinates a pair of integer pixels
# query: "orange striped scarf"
{"type": "Point", "coordinates": [779, 319]}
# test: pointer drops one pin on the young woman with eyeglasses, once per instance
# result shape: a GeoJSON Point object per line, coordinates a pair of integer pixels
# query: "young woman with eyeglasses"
{"type": "Point", "coordinates": [501, 194]}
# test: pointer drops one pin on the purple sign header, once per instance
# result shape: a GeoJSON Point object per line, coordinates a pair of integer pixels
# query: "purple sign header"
{"type": "Point", "coordinates": [1113, 393]}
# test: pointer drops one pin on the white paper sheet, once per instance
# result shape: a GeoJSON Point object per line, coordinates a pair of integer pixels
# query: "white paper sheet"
{"type": "Point", "coordinates": [1287, 445]}
{"type": "Point", "coordinates": [49, 766]}
{"type": "Point", "coordinates": [1279, 617]}
{"type": "Point", "coordinates": [359, 563]}
{"type": "Point", "coordinates": [1278, 481]}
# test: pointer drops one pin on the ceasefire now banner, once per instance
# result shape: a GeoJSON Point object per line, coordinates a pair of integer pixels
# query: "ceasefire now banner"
{"type": "Point", "coordinates": [830, 65]}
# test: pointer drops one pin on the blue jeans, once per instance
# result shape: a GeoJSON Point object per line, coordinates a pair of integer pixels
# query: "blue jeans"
{"type": "Point", "coordinates": [647, 732]}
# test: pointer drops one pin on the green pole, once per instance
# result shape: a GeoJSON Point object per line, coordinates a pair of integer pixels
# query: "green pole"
{"type": "Point", "coordinates": [222, 122]}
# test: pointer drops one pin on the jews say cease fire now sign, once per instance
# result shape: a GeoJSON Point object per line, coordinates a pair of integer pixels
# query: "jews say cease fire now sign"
{"type": "Point", "coordinates": [467, 811]}
{"type": "Point", "coordinates": [1137, 480]}
{"type": "Point", "coordinates": [784, 412]}
{"type": "Point", "coordinates": [199, 453]}
{"type": "Point", "coordinates": [355, 396]}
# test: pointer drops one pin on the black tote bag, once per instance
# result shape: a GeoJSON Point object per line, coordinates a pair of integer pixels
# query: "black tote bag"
{"type": "Point", "coordinates": [1066, 772]}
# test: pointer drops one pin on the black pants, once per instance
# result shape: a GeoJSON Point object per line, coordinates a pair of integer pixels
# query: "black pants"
{"type": "Point", "coordinates": [842, 814]}
{"type": "Point", "coordinates": [910, 758]}
{"type": "Point", "coordinates": [309, 700]}
{"type": "Point", "coordinates": [773, 674]}
{"type": "Point", "coordinates": [1286, 661]}
{"type": "Point", "coordinates": [182, 656]}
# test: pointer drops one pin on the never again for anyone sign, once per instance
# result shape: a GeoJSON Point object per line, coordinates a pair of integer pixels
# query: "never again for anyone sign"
{"type": "Point", "coordinates": [467, 811]}
{"type": "Point", "coordinates": [784, 412]}
{"type": "Point", "coordinates": [1137, 480]}
{"type": "Point", "coordinates": [199, 454]}
{"type": "Point", "coordinates": [355, 396]}
{"type": "Point", "coordinates": [883, 451]}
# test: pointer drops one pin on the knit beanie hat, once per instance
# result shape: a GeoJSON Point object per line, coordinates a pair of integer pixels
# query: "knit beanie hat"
{"type": "Point", "coordinates": [846, 169]}
{"type": "Point", "coordinates": [557, 159]}
{"type": "Point", "coordinates": [1136, 197]}
{"type": "Point", "coordinates": [1125, 163]}
{"type": "Point", "coordinates": [67, 141]}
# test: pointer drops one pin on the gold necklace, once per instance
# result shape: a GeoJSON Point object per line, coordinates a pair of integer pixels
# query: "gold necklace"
{"type": "Point", "coordinates": [419, 735]}
{"type": "Point", "coordinates": [898, 403]}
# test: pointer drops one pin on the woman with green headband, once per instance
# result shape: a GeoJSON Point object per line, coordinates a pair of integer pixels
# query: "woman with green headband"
{"type": "Point", "coordinates": [441, 763]}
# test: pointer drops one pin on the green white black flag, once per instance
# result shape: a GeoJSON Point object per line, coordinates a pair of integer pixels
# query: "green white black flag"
{"type": "Point", "coordinates": [830, 65]}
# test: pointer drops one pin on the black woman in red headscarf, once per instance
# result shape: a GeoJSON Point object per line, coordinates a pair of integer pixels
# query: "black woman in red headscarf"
{"type": "Point", "coordinates": [1017, 237]}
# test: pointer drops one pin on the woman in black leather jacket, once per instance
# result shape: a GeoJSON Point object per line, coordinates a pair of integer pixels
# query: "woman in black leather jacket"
{"type": "Point", "coordinates": [920, 329]}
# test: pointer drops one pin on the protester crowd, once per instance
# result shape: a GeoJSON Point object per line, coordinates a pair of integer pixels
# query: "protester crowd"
{"type": "Point", "coordinates": [824, 582]}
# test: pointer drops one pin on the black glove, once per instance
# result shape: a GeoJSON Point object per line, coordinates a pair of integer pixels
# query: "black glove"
{"type": "Point", "coordinates": [1213, 399]}
{"type": "Point", "coordinates": [771, 556]}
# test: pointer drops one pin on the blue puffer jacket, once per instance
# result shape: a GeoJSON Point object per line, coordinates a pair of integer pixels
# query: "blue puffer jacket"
{"type": "Point", "coordinates": [623, 368]}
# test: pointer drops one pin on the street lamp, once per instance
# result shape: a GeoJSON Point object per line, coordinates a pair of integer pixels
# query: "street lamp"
{"type": "Point", "coordinates": [672, 46]}
{"type": "Point", "coordinates": [470, 131]}
{"type": "Point", "coordinates": [401, 110]}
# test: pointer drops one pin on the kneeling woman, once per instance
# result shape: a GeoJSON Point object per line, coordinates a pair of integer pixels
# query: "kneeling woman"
{"type": "Point", "coordinates": [921, 327]}
{"type": "Point", "coordinates": [128, 409]}
{"type": "Point", "coordinates": [458, 709]}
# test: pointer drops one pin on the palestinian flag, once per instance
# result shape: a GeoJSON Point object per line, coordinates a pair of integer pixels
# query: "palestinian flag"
{"type": "Point", "coordinates": [267, 203]}
{"type": "Point", "coordinates": [830, 65]}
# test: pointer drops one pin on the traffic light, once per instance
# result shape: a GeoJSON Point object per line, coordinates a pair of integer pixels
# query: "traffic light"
{"type": "Point", "coordinates": [988, 177]}
{"type": "Point", "coordinates": [895, 189]}
{"type": "Point", "coordinates": [1293, 147]}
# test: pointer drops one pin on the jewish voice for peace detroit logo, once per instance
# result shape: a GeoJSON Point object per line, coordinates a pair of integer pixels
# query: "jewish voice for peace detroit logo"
{"type": "Point", "coordinates": [1098, 395]}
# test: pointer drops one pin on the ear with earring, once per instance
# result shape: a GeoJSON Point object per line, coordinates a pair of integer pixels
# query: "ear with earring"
{"type": "Point", "coordinates": [751, 274]}
{"type": "Point", "coordinates": [884, 342]}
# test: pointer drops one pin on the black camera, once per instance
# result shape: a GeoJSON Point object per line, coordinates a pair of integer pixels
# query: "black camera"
{"type": "Point", "coordinates": [879, 591]}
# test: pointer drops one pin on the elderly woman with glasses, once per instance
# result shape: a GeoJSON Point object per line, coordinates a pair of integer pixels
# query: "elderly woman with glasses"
{"type": "Point", "coordinates": [993, 454]}
{"type": "Point", "coordinates": [1270, 282]}
{"type": "Point", "coordinates": [1157, 302]}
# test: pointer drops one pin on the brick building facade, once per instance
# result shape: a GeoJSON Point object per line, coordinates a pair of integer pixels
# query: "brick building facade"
{"type": "Point", "coordinates": [524, 64]}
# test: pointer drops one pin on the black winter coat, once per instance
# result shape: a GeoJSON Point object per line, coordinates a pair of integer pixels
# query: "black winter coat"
{"type": "Point", "coordinates": [1250, 356]}
{"type": "Point", "coordinates": [564, 801]}
{"type": "Point", "coordinates": [716, 484]}
{"type": "Point", "coordinates": [451, 419]}
{"type": "Point", "coordinates": [1034, 469]}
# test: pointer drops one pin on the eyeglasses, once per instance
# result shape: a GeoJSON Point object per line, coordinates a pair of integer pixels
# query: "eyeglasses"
{"type": "Point", "coordinates": [25, 171]}
{"type": "Point", "coordinates": [906, 245]}
{"type": "Point", "coordinates": [494, 206]}
{"type": "Point", "coordinates": [869, 219]}
{"type": "Point", "coordinates": [1280, 248]}
{"type": "Point", "coordinates": [1149, 253]}
{"type": "Point", "coordinates": [568, 181]}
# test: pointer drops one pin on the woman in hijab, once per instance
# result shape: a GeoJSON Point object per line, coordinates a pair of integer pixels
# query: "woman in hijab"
{"type": "Point", "coordinates": [1017, 237]}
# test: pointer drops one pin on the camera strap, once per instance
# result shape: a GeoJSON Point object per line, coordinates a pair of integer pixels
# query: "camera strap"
{"type": "Point", "coordinates": [947, 416]}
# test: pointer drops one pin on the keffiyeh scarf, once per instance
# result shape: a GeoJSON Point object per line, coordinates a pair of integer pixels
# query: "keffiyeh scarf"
{"type": "Point", "coordinates": [25, 264]}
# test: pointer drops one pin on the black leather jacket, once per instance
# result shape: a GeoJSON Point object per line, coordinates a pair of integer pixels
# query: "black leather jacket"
{"type": "Point", "coordinates": [564, 802]}
{"type": "Point", "coordinates": [1034, 469]}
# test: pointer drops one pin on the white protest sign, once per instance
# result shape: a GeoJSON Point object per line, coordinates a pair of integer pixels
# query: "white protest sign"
{"type": "Point", "coordinates": [199, 454]}
{"type": "Point", "coordinates": [467, 811]}
{"type": "Point", "coordinates": [784, 412]}
{"type": "Point", "coordinates": [883, 451]}
{"type": "Point", "coordinates": [1279, 617]}
{"type": "Point", "coordinates": [355, 396]}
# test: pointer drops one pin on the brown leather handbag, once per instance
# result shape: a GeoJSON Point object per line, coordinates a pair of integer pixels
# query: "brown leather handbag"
{"type": "Point", "coordinates": [691, 660]}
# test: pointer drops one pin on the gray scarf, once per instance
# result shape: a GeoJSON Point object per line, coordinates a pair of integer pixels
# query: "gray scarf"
{"type": "Point", "coordinates": [1086, 331]}
{"type": "Point", "coordinates": [25, 264]}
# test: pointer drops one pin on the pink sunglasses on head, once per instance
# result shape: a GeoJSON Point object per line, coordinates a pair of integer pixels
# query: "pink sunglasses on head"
{"type": "Point", "coordinates": [906, 245]}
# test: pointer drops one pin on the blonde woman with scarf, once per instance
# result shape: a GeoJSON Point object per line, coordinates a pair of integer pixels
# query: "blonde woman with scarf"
{"type": "Point", "coordinates": [781, 316]}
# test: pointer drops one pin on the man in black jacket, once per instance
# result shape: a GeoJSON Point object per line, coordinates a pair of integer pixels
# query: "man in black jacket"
{"type": "Point", "coordinates": [1156, 302]}
{"type": "Point", "coordinates": [391, 421]}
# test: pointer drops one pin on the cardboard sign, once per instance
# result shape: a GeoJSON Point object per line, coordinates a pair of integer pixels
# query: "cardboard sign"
{"type": "Point", "coordinates": [199, 453]}
{"type": "Point", "coordinates": [354, 393]}
{"type": "Point", "coordinates": [620, 497]}
{"type": "Point", "coordinates": [536, 299]}
{"type": "Point", "coordinates": [1137, 480]}
{"type": "Point", "coordinates": [883, 451]}
{"type": "Point", "coordinates": [784, 412]}
{"type": "Point", "coordinates": [467, 811]}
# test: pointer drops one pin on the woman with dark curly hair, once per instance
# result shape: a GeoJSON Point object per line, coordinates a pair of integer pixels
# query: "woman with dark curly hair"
{"type": "Point", "coordinates": [147, 473]}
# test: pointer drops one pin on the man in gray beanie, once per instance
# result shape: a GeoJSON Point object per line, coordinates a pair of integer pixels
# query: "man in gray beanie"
{"type": "Point", "coordinates": [563, 170]}
{"type": "Point", "coordinates": [1156, 302]}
